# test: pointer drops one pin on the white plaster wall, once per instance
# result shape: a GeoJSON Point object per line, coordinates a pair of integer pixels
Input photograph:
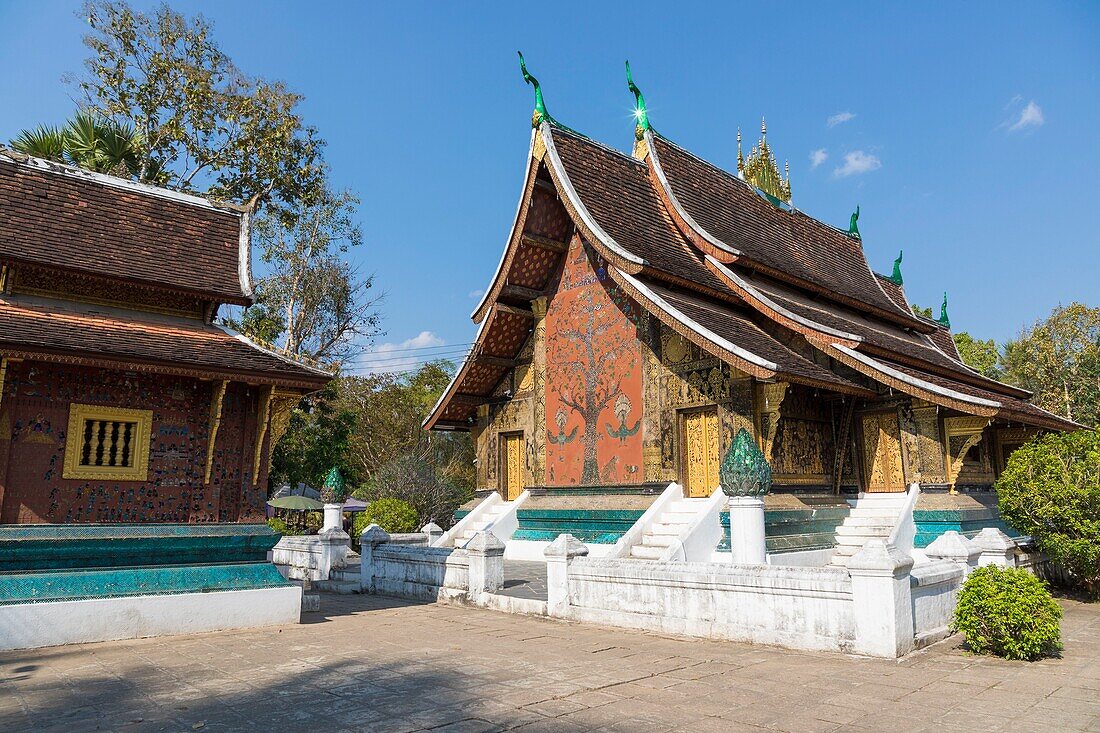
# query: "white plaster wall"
{"type": "Point", "coordinates": [935, 589]}
{"type": "Point", "coordinates": [31, 625]}
{"type": "Point", "coordinates": [803, 608]}
{"type": "Point", "coordinates": [418, 572]}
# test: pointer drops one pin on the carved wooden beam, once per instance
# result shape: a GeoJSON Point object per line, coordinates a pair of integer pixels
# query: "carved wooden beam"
{"type": "Point", "coordinates": [513, 310]}
{"type": "Point", "coordinates": [519, 292]}
{"type": "Point", "coordinates": [215, 422]}
{"type": "Point", "coordinates": [553, 245]}
{"type": "Point", "coordinates": [769, 399]}
{"type": "Point", "coordinates": [261, 430]}
{"type": "Point", "coordinates": [3, 374]}
{"type": "Point", "coordinates": [498, 361]}
{"type": "Point", "coordinates": [469, 399]}
{"type": "Point", "coordinates": [841, 447]}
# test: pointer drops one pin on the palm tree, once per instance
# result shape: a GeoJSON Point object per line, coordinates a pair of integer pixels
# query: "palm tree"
{"type": "Point", "coordinates": [92, 142]}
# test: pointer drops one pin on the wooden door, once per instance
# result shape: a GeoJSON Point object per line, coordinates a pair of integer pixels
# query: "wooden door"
{"type": "Point", "coordinates": [512, 450]}
{"type": "Point", "coordinates": [700, 457]}
{"type": "Point", "coordinates": [882, 452]}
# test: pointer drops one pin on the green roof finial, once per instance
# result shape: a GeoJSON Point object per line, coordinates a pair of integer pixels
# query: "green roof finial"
{"type": "Point", "coordinates": [853, 227]}
{"type": "Point", "coordinates": [896, 276]}
{"type": "Point", "coordinates": [641, 115]}
{"type": "Point", "coordinates": [334, 490]}
{"type": "Point", "coordinates": [744, 470]}
{"type": "Point", "coordinates": [943, 320]}
{"type": "Point", "coordinates": [540, 114]}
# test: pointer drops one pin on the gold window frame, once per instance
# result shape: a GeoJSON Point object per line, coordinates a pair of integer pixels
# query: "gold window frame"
{"type": "Point", "coordinates": [140, 446]}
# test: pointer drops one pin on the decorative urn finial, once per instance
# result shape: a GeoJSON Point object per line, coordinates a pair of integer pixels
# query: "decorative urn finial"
{"type": "Point", "coordinates": [943, 320]}
{"type": "Point", "coordinates": [761, 169]}
{"type": "Point", "coordinates": [853, 224]}
{"type": "Point", "coordinates": [540, 114]}
{"type": "Point", "coordinates": [895, 277]}
{"type": "Point", "coordinates": [641, 114]}
{"type": "Point", "coordinates": [333, 491]}
{"type": "Point", "coordinates": [744, 470]}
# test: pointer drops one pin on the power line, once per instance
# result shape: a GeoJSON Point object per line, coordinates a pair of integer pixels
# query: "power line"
{"type": "Point", "coordinates": [422, 357]}
{"type": "Point", "coordinates": [422, 348]}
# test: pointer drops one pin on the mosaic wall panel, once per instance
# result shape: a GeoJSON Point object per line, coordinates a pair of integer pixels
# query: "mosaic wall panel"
{"type": "Point", "coordinates": [804, 451]}
{"type": "Point", "coordinates": [32, 437]}
{"type": "Point", "coordinates": [593, 378]}
{"type": "Point", "coordinates": [921, 443]}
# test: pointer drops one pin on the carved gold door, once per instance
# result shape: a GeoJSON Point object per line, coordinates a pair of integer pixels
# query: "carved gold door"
{"type": "Point", "coordinates": [700, 460]}
{"type": "Point", "coordinates": [882, 452]}
{"type": "Point", "coordinates": [511, 465]}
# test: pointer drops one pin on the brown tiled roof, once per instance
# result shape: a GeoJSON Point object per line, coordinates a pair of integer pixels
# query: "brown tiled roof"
{"type": "Point", "coordinates": [615, 189]}
{"type": "Point", "coordinates": [942, 338]}
{"type": "Point", "coordinates": [895, 292]}
{"type": "Point", "coordinates": [60, 217]}
{"type": "Point", "coordinates": [735, 326]}
{"type": "Point", "coordinates": [785, 241]}
{"type": "Point", "coordinates": [75, 331]}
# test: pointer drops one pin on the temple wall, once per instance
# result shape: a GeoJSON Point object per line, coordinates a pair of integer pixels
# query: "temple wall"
{"type": "Point", "coordinates": [34, 419]}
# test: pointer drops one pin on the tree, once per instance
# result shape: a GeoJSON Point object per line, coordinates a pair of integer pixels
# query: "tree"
{"type": "Point", "coordinates": [88, 141]}
{"type": "Point", "coordinates": [1050, 490]}
{"type": "Point", "coordinates": [316, 441]}
{"type": "Point", "coordinates": [203, 125]}
{"type": "Point", "coordinates": [926, 312]}
{"type": "Point", "coordinates": [313, 303]}
{"type": "Point", "coordinates": [1059, 360]}
{"type": "Point", "coordinates": [981, 356]}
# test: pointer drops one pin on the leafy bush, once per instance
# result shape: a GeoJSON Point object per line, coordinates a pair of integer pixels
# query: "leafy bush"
{"type": "Point", "coordinates": [1050, 489]}
{"type": "Point", "coordinates": [392, 515]}
{"type": "Point", "coordinates": [277, 525]}
{"type": "Point", "coordinates": [1008, 612]}
{"type": "Point", "coordinates": [314, 522]}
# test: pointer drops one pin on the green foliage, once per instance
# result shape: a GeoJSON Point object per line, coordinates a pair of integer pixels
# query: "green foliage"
{"type": "Point", "coordinates": [277, 525]}
{"type": "Point", "coordinates": [1059, 360]}
{"type": "Point", "coordinates": [204, 124]}
{"type": "Point", "coordinates": [981, 356]}
{"type": "Point", "coordinates": [89, 141]}
{"type": "Point", "coordinates": [392, 515]}
{"type": "Point", "coordinates": [1008, 612]}
{"type": "Point", "coordinates": [1050, 490]}
{"type": "Point", "coordinates": [314, 522]}
{"type": "Point", "coordinates": [316, 440]}
{"type": "Point", "coordinates": [926, 312]}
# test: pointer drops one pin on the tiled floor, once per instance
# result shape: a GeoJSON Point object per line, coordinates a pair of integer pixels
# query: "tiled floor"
{"type": "Point", "coordinates": [524, 580]}
{"type": "Point", "coordinates": [376, 664]}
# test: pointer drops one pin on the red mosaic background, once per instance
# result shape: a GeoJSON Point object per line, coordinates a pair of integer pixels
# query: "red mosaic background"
{"type": "Point", "coordinates": [593, 378]}
{"type": "Point", "coordinates": [34, 418]}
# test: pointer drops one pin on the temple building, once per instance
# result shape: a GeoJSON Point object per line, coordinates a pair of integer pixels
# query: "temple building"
{"type": "Point", "coordinates": [649, 306]}
{"type": "Point", "coordinates": [135, 431]}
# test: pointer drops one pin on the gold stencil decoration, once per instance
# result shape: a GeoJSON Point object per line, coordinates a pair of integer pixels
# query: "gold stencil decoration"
{"type": "Point", "coordinates": [882, 452]}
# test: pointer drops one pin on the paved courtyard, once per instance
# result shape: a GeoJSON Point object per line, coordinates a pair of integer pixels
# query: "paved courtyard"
{"type": "Point", "coordinates": [375, 664]}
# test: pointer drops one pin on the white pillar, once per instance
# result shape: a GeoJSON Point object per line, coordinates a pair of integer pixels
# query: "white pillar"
{"type": "Point", "coordinates": [954, 547]}
{"type": "Point", "coordinates": [433, 532]}
{"type": "Point", "coordinates": [486, 564]}
{"type": "Point", "coordinates": [369, 539]}
{"type": "Point", "coordinates": [997, 548]}
{"type": "Point", "coordinates": [559, 554]}
{"type": "Point", "coordinates": [883, 600]}
{"type": "Point", "coordinates": [334, 517]}
{"type": "Point", "coordinates": [747, 530]}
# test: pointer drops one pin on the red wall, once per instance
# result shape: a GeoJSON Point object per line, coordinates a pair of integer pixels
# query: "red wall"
{"type": "Point", "coordinates": [593, 378]}
{"type": "Point", "coordinates": [34, 418]}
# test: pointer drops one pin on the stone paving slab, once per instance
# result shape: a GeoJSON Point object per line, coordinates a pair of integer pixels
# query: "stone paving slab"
{"type": "Point", "coordinates": [370, 664]}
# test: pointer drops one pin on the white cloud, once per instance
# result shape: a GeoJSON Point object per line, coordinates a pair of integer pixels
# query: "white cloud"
{"type": "Point", "coordinates": [400, 357]}
{"type": "Point", "coordinates": [1030, 116]}
{"type": "Point", "coordinates": [840, 118]}
{"type": "Point", "coordinates": [475, 294]}
{"type": "Point", "coordinates": [818, 157]}
{"type": "Point", "coordinates": [857, 162]}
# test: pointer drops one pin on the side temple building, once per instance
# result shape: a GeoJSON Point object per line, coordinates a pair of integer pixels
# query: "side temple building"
{"type": "Point", "coordinates": [648, 306]}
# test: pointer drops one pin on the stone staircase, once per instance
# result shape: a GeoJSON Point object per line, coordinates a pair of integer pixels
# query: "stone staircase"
{"type": "Point", "coordinates": [493, 514]}
{"type": "Point", "coordinates": [668, 528]}
{"type": "Point", "coordinates": [872, 516]}
{"type": "Point", "coordinates": [344, 581]}
{"type": "Point", "coordinates": [482, 522]}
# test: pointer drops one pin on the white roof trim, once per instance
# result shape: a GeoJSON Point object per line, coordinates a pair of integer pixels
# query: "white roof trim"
{"type": "Point", "coordinates": [705, 333]}
{"type": "Point", "coordinates": [512, 234]}
{"type": "Point", "coordinates": [578, 205]}
{"type": "Point", "coordinates": [73, 172]}
{"type": "Point", "coordinates": [676, 202]}
{"type": "Point", "coordinates": [458, 373]}
{"type": "Point", "coordinates": [282, 357]}
{"type": "Point", "coordinates": [244, 254]}
{"type": "Point", "coordinates": [914, 381]}
{"type": "Point", "coordinates": [780, 309]}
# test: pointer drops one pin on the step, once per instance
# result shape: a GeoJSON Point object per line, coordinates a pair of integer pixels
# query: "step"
{"type": "Point", "coordinates": [658, 540]}
{"type": "Point", "coordinates": [868, 521]}
{"type": "Point", "coordinates": [686, 505]}
{"type": "Point", "coordinates": [868, 530]}
{"type": "Point", "coordinates": [664, 528]}
{"type": "Point", "coordinates": [342, 587]}
{"type": "Point", "coordinates": [347, 575]}
{"type": "Point", "coordinates": [645, 552]}
{"type": "Point", "coordinates": [671, 517]}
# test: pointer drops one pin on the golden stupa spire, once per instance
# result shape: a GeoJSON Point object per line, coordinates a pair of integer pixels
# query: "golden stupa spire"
{"type": "Point", "coordinates": [760, 168]}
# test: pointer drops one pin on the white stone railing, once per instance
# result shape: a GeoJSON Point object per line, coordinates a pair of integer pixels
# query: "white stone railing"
{"type": "Point", "coordinates": [621, 548]}
{"type": "Point", "coordinates": [430, 573]}
{"type": "Point", "coordinates": [702, 536]}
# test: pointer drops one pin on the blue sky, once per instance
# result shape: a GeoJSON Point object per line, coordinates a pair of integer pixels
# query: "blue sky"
{"type": "Point", "coordinates": [967, 132]}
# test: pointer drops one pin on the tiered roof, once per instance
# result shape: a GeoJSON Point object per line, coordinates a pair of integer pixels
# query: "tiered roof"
{"type": "Point", "coordinates": [724, 264]}
{"type": "Point", "coordinates": [106, 241]}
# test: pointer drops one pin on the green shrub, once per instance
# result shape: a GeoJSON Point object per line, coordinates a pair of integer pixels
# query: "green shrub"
{"type": "Point", "coordinates": [314, 522]}
{"type": "Point", "coordinates": [1050, 490]}
{"type": "Point", "coordinates": [277, 525]}
{"type": "Point", "coordinates": [392, 515]}
{"type": "Point", "coordinates": [1008, 612]}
